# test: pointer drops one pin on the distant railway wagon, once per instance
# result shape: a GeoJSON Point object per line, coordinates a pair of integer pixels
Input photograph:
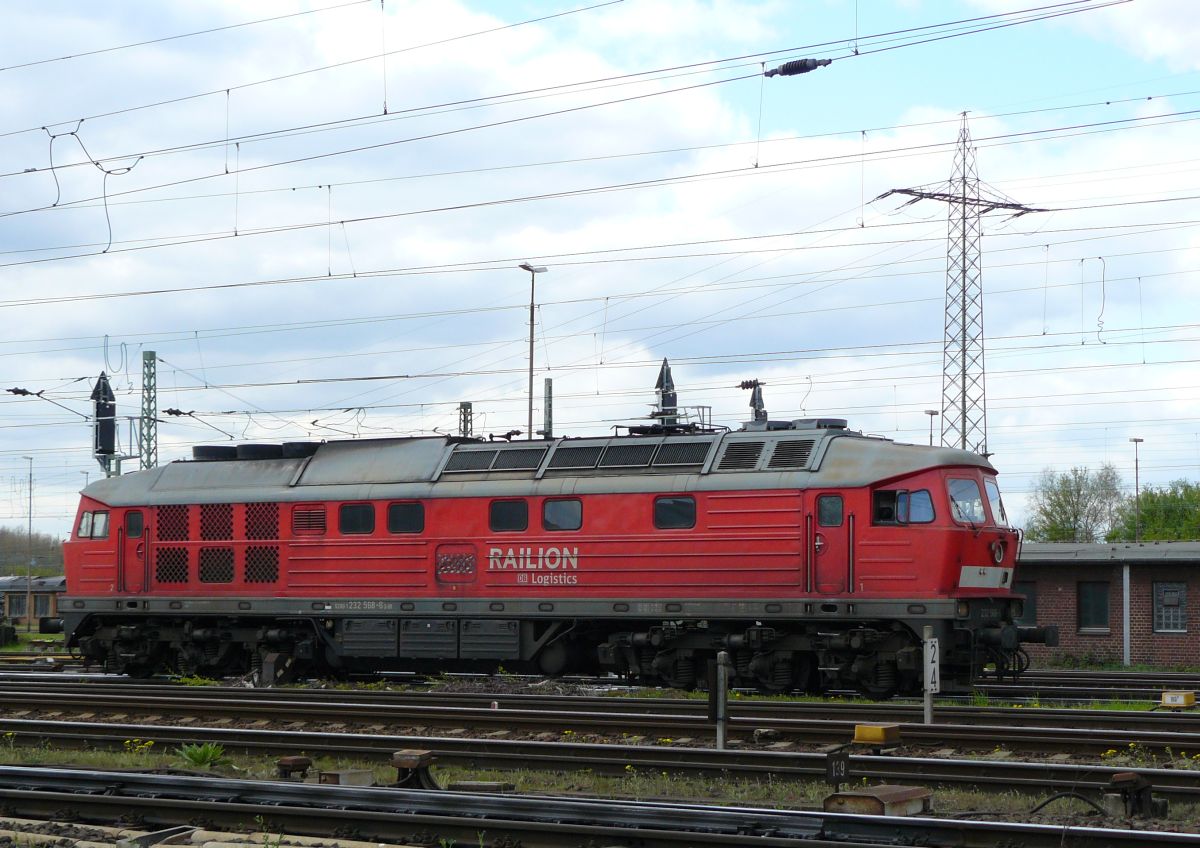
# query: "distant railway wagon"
{"type": "Point", "coordinates": [813, 554]}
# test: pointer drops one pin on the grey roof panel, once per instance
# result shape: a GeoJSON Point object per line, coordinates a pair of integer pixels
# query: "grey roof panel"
{"type": "Point", "coordinates": [1059, 553]}
{"type": "Point", "coordinates": [368, 461]}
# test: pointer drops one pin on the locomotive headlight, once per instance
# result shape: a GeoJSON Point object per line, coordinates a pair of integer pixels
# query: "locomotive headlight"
{"type": "Point", "coordinates": [964, 609]}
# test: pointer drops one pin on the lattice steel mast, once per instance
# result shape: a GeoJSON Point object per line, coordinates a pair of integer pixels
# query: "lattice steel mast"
{"type": "Point", "coordinates": [964, 396]}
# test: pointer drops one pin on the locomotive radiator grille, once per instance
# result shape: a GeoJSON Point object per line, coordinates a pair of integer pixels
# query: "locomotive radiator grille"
{"type": "Point", "coordinates": [262, 564]}
{"type": "Point", "coordinates": [216, 522]}
{"type": "Point", "coordinates": [791, 453]}
{"type": "Point", "coordinates": [216, 565]}
{"type": "Point", "coordinates": [682, 453]}
{"type": "Point", "coordinates": [262, 521]}
{"type": "Point", "coordinates": [172, 523]}
{"type": "Point", "coordinates": [171, 565]}
{"type": "Point", "coordinates": [740, 456]}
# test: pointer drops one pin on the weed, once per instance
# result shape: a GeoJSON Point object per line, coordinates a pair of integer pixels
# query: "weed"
{"type": "Point", "coordinates": [202, 755]}
{"type": "Point", "coordinates": [195, 680]}
{"type": "Point", "coordinates": [138, 746]}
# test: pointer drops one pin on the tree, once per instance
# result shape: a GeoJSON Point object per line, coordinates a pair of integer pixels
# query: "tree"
{"type": "Point", "coordinates": [1074, 506]}
{"type": "Point", "coordinates": [1170, 512]}
{"type": "Point", "coordinates": [14, 552]}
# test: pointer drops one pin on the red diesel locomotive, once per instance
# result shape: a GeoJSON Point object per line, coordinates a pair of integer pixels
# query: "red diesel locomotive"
{"type": "Point", "coordinates": [813, 554]}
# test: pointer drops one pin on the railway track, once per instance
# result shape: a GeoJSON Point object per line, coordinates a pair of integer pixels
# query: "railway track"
{"type": "Point", "coordinates": [681, 722]}
{"type": "Point", "coordinates": [1036, 779]}
{"type": "Point", "coordinates": [396, 814]}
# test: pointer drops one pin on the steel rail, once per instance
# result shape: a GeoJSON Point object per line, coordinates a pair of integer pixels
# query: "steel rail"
{"type": "Point", "coordinates": [1012, 729]}
{"type": "Point", "coordinates": [535, 820]}
{"type": "Point", "coordinates": [504, 754]}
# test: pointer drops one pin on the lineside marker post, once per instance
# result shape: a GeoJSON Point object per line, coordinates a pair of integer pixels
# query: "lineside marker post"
{"type": "Point", "coordinates": [932, 678]}
{"type": "Point", "coordinates": [718, 695]}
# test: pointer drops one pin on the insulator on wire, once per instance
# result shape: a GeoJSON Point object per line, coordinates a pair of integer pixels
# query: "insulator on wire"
{"type": "Point", "coordinates": [798, 66]}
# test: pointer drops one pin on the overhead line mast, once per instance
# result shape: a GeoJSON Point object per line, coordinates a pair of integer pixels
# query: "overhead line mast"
{"type": "Point", "coordinates": [964, 395]}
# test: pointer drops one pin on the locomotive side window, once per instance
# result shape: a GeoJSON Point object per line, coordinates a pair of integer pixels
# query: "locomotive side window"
{"type": "Point", "coordinates": [919, 507]}
{"type": "Point", "coordinates": [562, 514]}
{"type": "Point", "coordinates": [508, 516]}
{"type": "Point", "coordinates": [966, 502]}
{"type": "Point", "coordinates": [133, 524]}
{"type": "Point", "coordinates": [885, 507]}
{"type": "Point", "coordinates": [356, 519]}
{"type": "Point", "coordinates": [829, 510]}
{"type": "Point", "coordinates": [994, 501]}
{"type": "Point", "coordinates": [85, 526]}
{"type": "Point", "coordinates": [100, 525]}
{"type": "Point", "coordinates": [406, 518]}
{"type": "Point", "coordinates": [675, 513]}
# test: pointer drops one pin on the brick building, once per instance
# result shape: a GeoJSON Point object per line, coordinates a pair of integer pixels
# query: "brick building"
{"type": "Point", "coordinates": [14, 594]}
{"type": "Point", "coordinates": [1124, 603]}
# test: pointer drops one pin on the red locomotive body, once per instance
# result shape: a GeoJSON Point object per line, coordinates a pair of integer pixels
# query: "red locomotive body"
{"type": "Point", "coordinates": [814, 555]}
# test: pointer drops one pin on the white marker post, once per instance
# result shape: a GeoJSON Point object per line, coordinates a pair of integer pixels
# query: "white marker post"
{"type": "Point", "coordinates": [932, 677]}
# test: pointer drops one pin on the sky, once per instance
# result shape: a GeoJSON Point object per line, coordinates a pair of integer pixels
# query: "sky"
{"type": "Point", "coordinates": [313, 213]}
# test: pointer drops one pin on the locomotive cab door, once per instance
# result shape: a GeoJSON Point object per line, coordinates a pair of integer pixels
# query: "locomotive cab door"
{"type": "Point", "coordinates": [829, 545]}
{"type": "Point", "coordinates": [132, 545]}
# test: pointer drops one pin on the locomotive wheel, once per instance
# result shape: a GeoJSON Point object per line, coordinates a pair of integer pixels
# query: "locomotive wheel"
{"type": "Point", "coordinates": [883, 683]}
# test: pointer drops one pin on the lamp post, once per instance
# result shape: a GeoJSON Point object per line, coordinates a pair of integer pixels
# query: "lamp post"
{"type": "Point", "coordinates": [1137, 492]}
{"type": "Point", "coordinates": [932, 413]}
{"type": "Point", "coordinates": [29, 564]}
{"type": "Point", "coordinates": [533, 270]}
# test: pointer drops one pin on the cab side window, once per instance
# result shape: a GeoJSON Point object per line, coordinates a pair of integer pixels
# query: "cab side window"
{"type": "Point", "coordinates": [100, 524]}
{"type": "Point", "coordinates": [85, 526]}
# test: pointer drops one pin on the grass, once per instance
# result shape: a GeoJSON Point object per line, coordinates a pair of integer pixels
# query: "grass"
{"type": "Point", "coordinates": [25, 641]}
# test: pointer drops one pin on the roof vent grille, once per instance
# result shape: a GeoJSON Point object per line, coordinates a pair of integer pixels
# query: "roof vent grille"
{"type": "Point", "coordinates": [627, 456]}
{"type": "Point", "coordinates": [519, 459]}
{"type": "Point", "coordinates": [576, 457]}
{"type": "Point", "coordinates": [791, 453]}
{"type": "Point", "coordinates": [472, 460]}
{"type": "Point", "coordinates": [741, 456]}
{"type": "Point", "coordinates": [682, 453]}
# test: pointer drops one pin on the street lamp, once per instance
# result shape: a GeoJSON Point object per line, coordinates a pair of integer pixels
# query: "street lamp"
{"type": "Point", "coordinates": [1137, 492]}
{"type": "Point", "coordinates": [29, 565]}
{"type": "Point", "coordinates": [932, 413]}
{"type": "Point", "coordinates": [533, 270]}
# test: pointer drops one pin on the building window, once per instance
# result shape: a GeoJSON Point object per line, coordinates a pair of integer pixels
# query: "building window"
{"type": "Point", "coordinates": [674, 513]}
{"type": "Point", "coordinates": [508, 516]}
{"type": "Point", "coordinates": [356, 519]}
{"type": "Point", "coordinates": [1028, 588]}
{"type": "Point", "coordinates": [1093, 607]}
{"type": "Point", "coordinates": [41, 606]}
{"type": "Point", "coordinates": [1170, 607]}
{"type": "Point", "coordinates": [829, 510]}
{"type": "Point", "coordinates": [406, 518]}
{"type": "Point", "coordinates": [16, 605]}
{"type": "Point", "coordinates": [562, 514]}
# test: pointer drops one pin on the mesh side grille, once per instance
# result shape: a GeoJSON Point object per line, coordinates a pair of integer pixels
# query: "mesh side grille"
{"type": "Point", "coordinates": [740, 456]}
{"type": "Point", "coordinates": [682, 453]}
{"type": "Point", "coordinates": [455, 566]}
{"type": "Point", "coordinates": [792, 453]}
{"type": "Point", "coordinates": [576, 457]}
{"type": "Point", "coordinates": [216, 565]}
{"type": "Point", "coordinates": [519, 459]}
{"type": "Point", "coordinates": [308, 519]}
{"type": "Point", "coordinates": [262, 521]}
{"type": "Point", "coordinates": [171, 565]}
{"type": "Point", "coordinates": [473, 460]}
{"type": "Point", "coordinates": [627, 456]}
{"type": "Point", "coordinates": [262, 564]}
{"type": "Point", "coordinates": [172, 523]}
{"type": "Point", "coordinates": [216, 521]}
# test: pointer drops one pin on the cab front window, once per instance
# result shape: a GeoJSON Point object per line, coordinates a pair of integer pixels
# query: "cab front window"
{"type": "Point", "coordinates": [994, 501]}
{"type": "Point", "coordinates": [966, 501]}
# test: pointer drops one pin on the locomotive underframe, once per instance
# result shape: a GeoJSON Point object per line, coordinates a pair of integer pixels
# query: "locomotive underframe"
{"type": "Point", "coordinates": [808, 644]}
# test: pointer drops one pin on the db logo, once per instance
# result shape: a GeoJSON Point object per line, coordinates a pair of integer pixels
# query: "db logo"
{"type": "Point", "coordinates": [522, 578]}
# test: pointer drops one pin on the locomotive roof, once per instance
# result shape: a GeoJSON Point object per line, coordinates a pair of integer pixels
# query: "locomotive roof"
{"type": "Point", "coordinates": [362, 469]}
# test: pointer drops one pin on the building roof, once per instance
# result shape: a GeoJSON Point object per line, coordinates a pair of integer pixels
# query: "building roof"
{"type": "Point", "coordinates": [1134, 553]}
{"type": "Point", "coordinates": [16, 583]}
